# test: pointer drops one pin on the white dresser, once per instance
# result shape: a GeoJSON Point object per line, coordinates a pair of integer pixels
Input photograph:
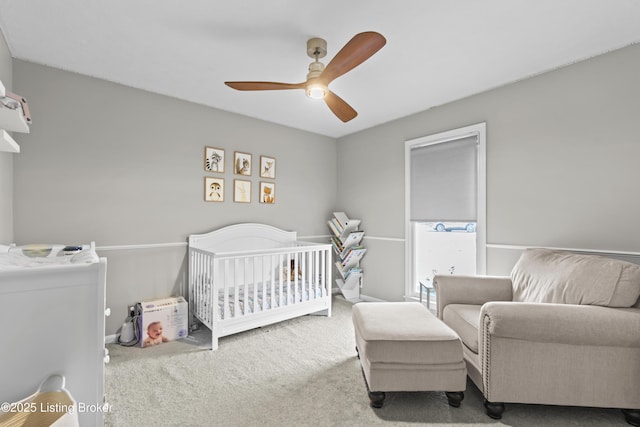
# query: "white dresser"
{"type": "Point", "coordinates": [52, 321]}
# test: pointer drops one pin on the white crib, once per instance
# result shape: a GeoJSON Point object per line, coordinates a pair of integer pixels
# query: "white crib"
{"type": "Point", "coordinates": [249, 275]}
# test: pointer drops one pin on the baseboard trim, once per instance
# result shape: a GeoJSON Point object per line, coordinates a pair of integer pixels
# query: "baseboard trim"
{"type": "Point", "coordinates": [111, 339]}
{"type": "Point", "coordinates": [367, 298]}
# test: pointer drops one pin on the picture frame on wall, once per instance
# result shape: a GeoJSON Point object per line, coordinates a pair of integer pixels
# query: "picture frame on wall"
{"type": "Point", "coordinates": [242, 163]}
{"type": "Point", "coordinates": [213, 189]}
{"type": "Point", "coordinates": [241, 191]}
{"type": "Point", "coordinates": [267, 167]}
{"type": "Point", "coordinates": [214, 159]}
{"type": "Point", "coordinates": [267, 192]}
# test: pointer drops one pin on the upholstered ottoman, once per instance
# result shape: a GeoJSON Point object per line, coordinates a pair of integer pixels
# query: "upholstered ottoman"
{"type": "Point", "coordinates": [403, 347]}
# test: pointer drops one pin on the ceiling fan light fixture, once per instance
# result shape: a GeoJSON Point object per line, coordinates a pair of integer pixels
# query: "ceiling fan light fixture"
{"type": "Point", "coordinates": [357, 50]}
{"type": "Point", "coordinates": [316, 91]}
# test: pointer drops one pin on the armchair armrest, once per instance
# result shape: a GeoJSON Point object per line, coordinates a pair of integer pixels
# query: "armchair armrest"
{"type": "Point", "coordinates": [475, 290]}
{"type": "Point", "coordinates": [562, 323]}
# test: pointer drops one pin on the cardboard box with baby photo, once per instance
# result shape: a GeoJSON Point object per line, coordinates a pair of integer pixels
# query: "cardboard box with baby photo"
{"type": "Point", "coordinates": [162, 320]}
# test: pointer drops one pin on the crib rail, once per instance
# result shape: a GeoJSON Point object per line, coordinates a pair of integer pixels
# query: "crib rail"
{"type": "Point", "coordinates": [230, 285]}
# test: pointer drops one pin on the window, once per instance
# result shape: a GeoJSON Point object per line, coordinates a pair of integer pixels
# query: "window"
{"type": "Point", "coordinates": [445, 206]}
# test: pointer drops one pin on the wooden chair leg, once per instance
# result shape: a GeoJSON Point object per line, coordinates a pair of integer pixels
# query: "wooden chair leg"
{"type": "Point", "coordinates": [376, 398]}
{"type": "Point", "coordinates": [455, 398]}
{"type": "Point", "coordinates": [632, 416]}
{"type": "Point", "coordinates": [494, 409]}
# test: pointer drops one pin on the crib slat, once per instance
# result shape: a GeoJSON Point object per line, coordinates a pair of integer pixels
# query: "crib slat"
{"type": "Point", "coordinates": [207, 289]}
{"type": "Point", "coordinates": [280, 279]}
{"type": "Point", "coordinates": [289, 271]}
{"type": "Point", "coordinates": [208, 303]}
{"type": "Point", "coordinates": [206, 282]}
{"type": "Point", "coordinates": [246, 284]}
{"type": "Point", "coordinates": [236, 280]}
{"type": "Point", "coordinates": [197, 296]}
{"type": "Point", "coordinates": [193, 281]}
{"type": "Point", "coordinates": [304, 281]}
{"type": "Point", "coordinates": [325, 274]}
{"type": "Point", "coordinates": [202, 283]}
{"type": "Point", "coordinates": [225, 295]}
{"type": "Point", "coordinates": [294, 275]}
{"type": "Point", "coordinates": [312, 274]}
{"type": "Point", "coordinates": [315, 274]}
{"type": "Point", "coordinates": [256, 283]}
{"type": "Point", "coordinates": [198, 300]}
{"type": "Point", "coordinates": [251, 285]}
{"type": "Point", "coordinates": [268, 287]}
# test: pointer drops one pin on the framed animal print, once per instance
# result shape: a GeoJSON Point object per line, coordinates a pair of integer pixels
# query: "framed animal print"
{"type": "Point", "coordinates": [214, 159]}
{"type": "Point", "coordinates": [242, 163]}
{"type": "Point", "coordinates": [213, 189]}
{"type": "Point", "coordinates": [241, 191]}
{"type": "Point", "coordinates": [267, 167]}
{"type": "Point", "coordinates": [267, 192]}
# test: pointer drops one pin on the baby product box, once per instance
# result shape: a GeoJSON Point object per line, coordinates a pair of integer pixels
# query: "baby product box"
{"type": "Point", "coordinates": [162, 320]}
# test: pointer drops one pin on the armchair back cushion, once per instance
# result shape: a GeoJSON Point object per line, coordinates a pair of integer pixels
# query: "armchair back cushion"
{"type": "Point", "coordinates": [552, 276]}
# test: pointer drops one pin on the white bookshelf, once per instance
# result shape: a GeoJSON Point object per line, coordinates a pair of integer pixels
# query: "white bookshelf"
{"type": "Point", "coordinates": [12, 120]}
{"type": "Point", "coordinates": [346, 242]}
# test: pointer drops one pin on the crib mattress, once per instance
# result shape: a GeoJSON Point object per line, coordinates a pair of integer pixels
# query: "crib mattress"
{"type": "Point", "coordinates": [261, 300]}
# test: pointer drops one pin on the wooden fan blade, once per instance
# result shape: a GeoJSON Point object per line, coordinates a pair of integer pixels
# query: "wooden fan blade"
{"type": "Point", "coordinates": [264, 85]}
{"type": "Point", "coordinates": [339, 107]}
{"type": "Point", "coordinates": [360, 48]}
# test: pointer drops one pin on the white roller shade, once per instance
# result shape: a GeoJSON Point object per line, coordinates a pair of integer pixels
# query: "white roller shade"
{"type": "Point", "coordinates": [444, 181]}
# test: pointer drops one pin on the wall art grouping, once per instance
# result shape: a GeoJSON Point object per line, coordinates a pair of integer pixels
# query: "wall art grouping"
{"type": "Point", "coordinates": [214, 186]}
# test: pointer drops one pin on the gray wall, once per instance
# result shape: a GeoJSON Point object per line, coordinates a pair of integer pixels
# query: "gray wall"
{"type": "Point", "coordinates": [562, 167]}
{"type": "Point", "coordinates": [6, 159]}
{"type": "Point", "coordinates": [124, 167]}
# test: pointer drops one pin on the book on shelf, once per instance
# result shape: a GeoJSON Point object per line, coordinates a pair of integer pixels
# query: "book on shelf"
{"type": "Point", "coordinates": [334, 228]}
{"type": "Point", "coordinates": [344, 224]}
{"type": "Point", "coordinates": [337, 245]}
{"type": "Point", "coordinates": [347, 252]}
{"type": "Point", "coordinates": [351, 271]}
{"type": "Point", "coordinates": [353, 257]}
{"type": "Point", "coordinates": [345, 273]}
{"type": "Point", "coordinates": [343, 249]}
{"type": "Point", "coordinates": [353, 239]}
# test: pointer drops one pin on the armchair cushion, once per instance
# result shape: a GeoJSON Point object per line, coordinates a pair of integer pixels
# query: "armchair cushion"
{"type": "Point", "coordinates": [551, 276]}
{"type": "Point", "coordinates": [464, 319]}
{"type": "Point", "coordinates": [563, 323]}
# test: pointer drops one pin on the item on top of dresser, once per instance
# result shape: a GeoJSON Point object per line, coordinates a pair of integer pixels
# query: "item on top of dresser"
{"type": "Point", "coordinates": [41, 255]}
{"type": "Point", "coordinates": [36, 250]}
{"type": "Point", "coordinates": [70, 250]}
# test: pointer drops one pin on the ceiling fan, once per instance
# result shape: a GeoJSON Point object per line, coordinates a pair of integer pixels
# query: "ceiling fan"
{"type": "Point", "coordinates": [360, 48]}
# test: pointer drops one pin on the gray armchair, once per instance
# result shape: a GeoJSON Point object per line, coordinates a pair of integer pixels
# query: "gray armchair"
{"type": "Point", "coordinates": [564, 329]}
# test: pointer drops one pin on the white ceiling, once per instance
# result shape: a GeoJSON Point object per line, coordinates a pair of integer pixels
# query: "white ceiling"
{"type": "Point", "coordinates": [437, 51]}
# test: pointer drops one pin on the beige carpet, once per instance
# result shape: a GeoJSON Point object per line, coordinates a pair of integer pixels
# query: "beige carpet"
{"type": "Point", "coordinates": [302, 372]}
